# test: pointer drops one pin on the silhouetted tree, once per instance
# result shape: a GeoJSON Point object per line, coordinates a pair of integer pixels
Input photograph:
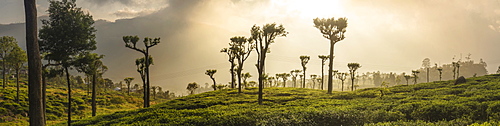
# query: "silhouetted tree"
{"type": "Point", "coordinates": [231, 53]}
{"type": "Point", "coordinates": [283, 76]}
{"type": "Point", "coordinates": [36, 111]}
{"type": "Point", "coordinates": [91, 64]}
{"type": "Point", "coordinates": [128, 80]}
{"type": "Point", "coordinates": [415, 75]}
{"type": "Point", "coordinates": [426, 63]}
{"type": "Point", "coordinates": [498, 71]}
{"type": "Point", "coordinates": [323, 60]}
{"type": "Point", "coordinates": [67, 33]}
{"type": "Point", "coordinates": [243, 48]}
{"type": "Point", "coordinates": [16, 58]}
{"type": "Point", "coordinates": [304, 60]}
{"type": "Point", "coordinates": [440, 73]}
{"type": "Point", "coordinates": [342, 77]}
{"type": "Point", "coordinates": [352, 69]}
{"type": "Point", "coordinates": [7, 45]}
{"type": "Point", "coordinates": [131, 42]}
{"type": "Point", "coordinates": [407, 77]}
{"type": "Point", "coordinates": [192, 87]}
{"type": "Point", "coordinates": [332, 30]}
{"type": "Point", "coordinates": [140, 63]}
{"type": "Point", "coordinates": [153, 89]}
{"type": "Point", "coordinates": [294, 74]}
{"type": "Point", "coordinates": [211, 73]}
{"type": "Point", "coordinates": [245, 76]}
{"type": "Point", "coordinates": [264, 37]}
{"type": "Point", "coordinates": [313, 79]}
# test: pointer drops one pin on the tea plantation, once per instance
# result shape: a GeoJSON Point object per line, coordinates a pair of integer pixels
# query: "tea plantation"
{"type": "Point", "coordinates": [476, 102]}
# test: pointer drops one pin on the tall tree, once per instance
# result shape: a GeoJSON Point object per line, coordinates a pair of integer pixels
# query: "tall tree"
{"type": "Point", "coordinates": [323, 60]}
{"type": "Point", "coordinates": [36, 112]}
{"type": "Point", "coordinates": [211, 73]}
{"type": "Point", "coordinates": [352, 69]}
{"type": "Point", "coordinates": [7, 45]}
{"type": "Point", "coordinates": [294, 74]}
{"type": "Point", "coordinates": [243, 48]}
{"type": "Point", "coordinates": [332, 30]}
{"type": "Point", "coordinates": [192, 87]}
{"type": "Point", "coordinates": [264, 36]}
{"type": "Point", "coordinates": [231, 53]}
{"type": "Point", "coordinates": [426, 63]}
{"type": "Point", "coordinates": [140, 63]}
{"type": "Point", "coordinates": [342, 77]}
{"type": "Point", "coordinates": [440, 73]}
{"type": "Point", "coordinates": [128, 80]}
{"type": "Point", "coordinates": [68, 33]}
{"type": "Point", "coordinates": [415, 75]}
{"type": "Point", "coordinates": [91, 64]}
{"type": "Point", "coordinates": [131, 42]}
{"type": "Point", "coordinates": [16, 59]}
{"type": "Point", "coordinates": [407, 77]}
{"type": "Point", "coordinates": [303, 61]}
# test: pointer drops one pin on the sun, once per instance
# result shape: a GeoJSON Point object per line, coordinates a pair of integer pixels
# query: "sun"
{"type": "Point", "coordinates": [313, 8]}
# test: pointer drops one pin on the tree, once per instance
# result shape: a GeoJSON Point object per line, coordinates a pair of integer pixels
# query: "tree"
{"type": "Point", "coordinates": [7, 45]}
{"type": "Point", "coordinates": [211, 73]}
{"type": "Point", "coordinates": [16, 59]}
{"type": "Point", "coordinates": [294, 74]}
{"type": "Point", "coordinates": [153, 89]}
{"type": "Point", "coordinates": [90, 63]}
{"type": "Point", "coordinates": [352, 69]}
{"type": "Point", "coordinates": [415, 76]}
{"type": "Point", "coordinates": [128, 80]}
{"type": "Point", "coordinates": [283, 76]}
{"type": "Point", "coordinates": [36, 111]}
{"type": "Point", "coordinates": [140, 63]}
{"type": "Point", "coordinates": [304, 60]}
{"type": "Point", "coordinates": [67, 33]}
{"type": "Point", "coordinates": [440, 73]}
{"type": "Point", "coordinates": [323, 60]}
{"type": "Point", "coordinates": [131, 42]}
{"type": "Point", "coordinates": [407, 77]}
{"type": "Point", "coordinates": [498, 71]}
{"type": "Point", "coordinates": [245, 76]}
{"type": "Point", "coordinates": [243, 48]}
{"type": "Point", "coordinates": [332, 30]}
{"type": "Point", "coordinates": [426, 63]}
{"type": "Point", "coordinates": [192, 87]}
{"type": "Point", "coordinates": [264, 36]}
{"type": "Point", "coordinates": [231, 53]}
{"type": "Point", "coordinates": [342, 77]}
{"type": "Point", "coordinates": [313, 79]}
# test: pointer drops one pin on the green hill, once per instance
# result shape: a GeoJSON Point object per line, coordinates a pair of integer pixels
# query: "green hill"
{"type": "Point", "coordinates": [13, 113]}
{"type": "Point", "coordinates": [435, 103]}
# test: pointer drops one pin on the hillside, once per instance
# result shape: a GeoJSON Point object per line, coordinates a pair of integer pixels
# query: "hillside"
{"type": "Point", "coordinates": [12, 113]}
{"type": "Point", "coordinates": [435, 103]}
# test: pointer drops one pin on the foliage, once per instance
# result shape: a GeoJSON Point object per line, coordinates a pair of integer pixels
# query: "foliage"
{"type": "Point", "coordinates": [437, 103]}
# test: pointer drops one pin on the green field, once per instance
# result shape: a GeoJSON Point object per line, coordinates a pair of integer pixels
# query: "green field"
{"type": "Point", "coordinates": [475, 102]}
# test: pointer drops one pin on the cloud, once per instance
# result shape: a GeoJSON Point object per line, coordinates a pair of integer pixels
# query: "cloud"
{"type": "Point", "coordinates": [127, 13]}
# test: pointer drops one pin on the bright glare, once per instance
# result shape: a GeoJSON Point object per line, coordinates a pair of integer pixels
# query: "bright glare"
{"type": "Point", "coordinates": [312, 8]}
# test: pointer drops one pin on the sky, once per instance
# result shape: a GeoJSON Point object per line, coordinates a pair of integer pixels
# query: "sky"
{"type": "Point", "coordinates": [382, 35]}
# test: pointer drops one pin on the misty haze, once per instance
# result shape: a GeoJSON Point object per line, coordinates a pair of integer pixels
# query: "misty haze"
{"type": "Point", "coordinates": [255, 62]}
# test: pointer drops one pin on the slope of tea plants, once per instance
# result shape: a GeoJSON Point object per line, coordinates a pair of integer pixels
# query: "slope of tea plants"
{"type": "Point", "coordinates": [475, 102]}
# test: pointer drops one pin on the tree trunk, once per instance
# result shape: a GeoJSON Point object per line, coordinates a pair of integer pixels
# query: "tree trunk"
{"type": "Point", "coordinates": [69, 95]}
{"type": "Point", "coordinates": [427, 75]}
{"type": "Point", "coordinates": [44, 95]}
{"type": "Point", "coordinates": [261, 74]}
{"type": "Point", "coordinates": [352, 81]}
{"type": "Point", "coordinates": [36, 113]}
{"type": "Point", "coordinates": [94, 106]}
{"type": "Point", "coordinates": [143, 88]}
{"type": "Point", "coordinates": [146, 90]}
{"type": "Point", "coordinates": [304, 79]}
{"type": "Point", "coordinates": [330, 68]}
{"type": "Point", "coordinates": [233, 82]}
{"type": "Point", "coordinates": [238, 72]}
{"type": "Point", "coordinates": [215, 86]}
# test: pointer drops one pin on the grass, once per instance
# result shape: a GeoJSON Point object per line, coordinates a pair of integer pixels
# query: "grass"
{"type": "Point", "coordinates": [437, 103]}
